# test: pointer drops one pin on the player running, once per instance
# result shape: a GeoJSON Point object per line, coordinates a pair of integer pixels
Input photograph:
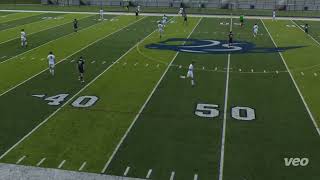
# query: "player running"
{"type": "Point", "coordinates": [230, 38]}
{"type": "Point", "coordinates": [255, 30]}
{"type": "Point", "coordinates": [23, 38]}
{"type": "Point", "coordinates": [164, 20]}
{"type": "Point", "coordinates": [101, 14]}
{"type": "Point", "coordinates": [80, 64]}
{"type": "Point", "coordinates": [75, 25]}
{"type": "Point", "coordinates": [137, 13]}
{"type": "Point", "coordinates": [190, 73]}
{"type": "Point", "coordinates": [160, 28]}
{"type": "Point", "coordinates": [185, 19]}
{"type": "Point", "coordinates": [306, 28]}
{"type": "Point", "coordinates": [241, 20]}
{"type": "Point", "coordinates": [273, 15]}
{"type": "Point", "coordinates": [51, 59]}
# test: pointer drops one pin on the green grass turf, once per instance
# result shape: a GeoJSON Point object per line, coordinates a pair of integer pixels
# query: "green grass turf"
{"type": "Point", "coordinates": [246, 12]}
{"type": "Point", "coordinates": [26, 20]}
{"type": "Point", "coordinates": [35, 61]}
{"type": "Point", "coordinates": [168, 136]}
{"type": "Point", "coordinates": [15, 16]}
{"type": "Point", "coordinates": [13, 48]}
{"type": "Point", "coordinates": [105, 50]}
{"type": "Point", "coordinates": [13, 33]}
{"type": "Point", "coordinates": [120, 99]}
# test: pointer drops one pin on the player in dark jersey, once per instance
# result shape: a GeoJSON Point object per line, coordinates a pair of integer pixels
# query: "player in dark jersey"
{"type": "Point", "coordinates": [75, 25]}
{"type": "Point", "coordinates": [185, 19]}
{"type": "Point", "coordinates": [306, 28]}
{"type": "Point", "coordinates": [230, 38]}
{"type": "Point", "coordinates": [137, 13]}
{"type": "Point", "coordinates": [80, 64]}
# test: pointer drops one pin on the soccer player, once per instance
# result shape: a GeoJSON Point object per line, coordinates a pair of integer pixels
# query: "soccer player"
{"type": "Point", "coordinates": [181, 11]}
{"type": "Point", "coordinates": [160, 28]}
{"type": "Point", "coordinates": [75, 25]}
{"type": "Point", "coordinates": [306, 28]}
{"type": "Point", "coordinates": [101, 14]}
{"type": "Point", "coordinates": [190, 73]}
{"type": "Point", "coordinates": [23, 38]}
{"type": "Point", "coordinates": [185, 19]}
{"type": "Point", "coordinates": [241, 20]}
{"type": "Point", "coordinates": [230, 38]}
{"type": "Point", "coordinates": [137, 13]}
{"type": "Point", "coordinates": [273, 15]}
{"type": "Point", "coordinates": [80, 64]}
{"type": "Point", "coordinates": [51, 59]}
{"type": "Point", "coordinates": [255, 30]}
{"type": "Point", "coordinates": [138, 9]}
{"type": "Point", "coordinates": [164, 20]}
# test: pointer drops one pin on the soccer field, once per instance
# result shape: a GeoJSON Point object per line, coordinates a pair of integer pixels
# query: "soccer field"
{"type": "Point", "coordinates": [253, 113]}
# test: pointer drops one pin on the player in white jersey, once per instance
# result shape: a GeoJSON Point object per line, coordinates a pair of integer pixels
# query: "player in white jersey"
{"type": "Point", "coordinates": [138, 9]}
{"type": "Point", "coordinates": [255, 30]}
{"type": "Point", "coordinates": [101, 14]}
{"type": "Point", "coordinates": [273, 15]}
{"type": "Point", "coordinates": [164, 20]}
{"type": "Point", "coordinates": [51, 60]}
{"type": "Point", "coordinates": [190, 73]}
{"type": "Point", "coordinates": [160, 28]}
{"type": "Point", "coordinates": [23, 38]}
{"type": "Point", "coordinates": [181, 10]}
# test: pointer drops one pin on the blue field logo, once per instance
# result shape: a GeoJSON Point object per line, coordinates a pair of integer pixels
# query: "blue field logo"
{"type": "Point", "coordinates": [213, 46]}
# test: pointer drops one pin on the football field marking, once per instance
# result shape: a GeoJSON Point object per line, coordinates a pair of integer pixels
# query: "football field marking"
{"type": "Point", "coordinates": [223, 139]}
{"type": "Point", "coordinates": [195, 177]}
{"type": "Point", "coordinates": [82, 166]}
{"type": "Point", "coordinates": [294, 82]}
{"type": "Point", "coordinates": [303, 31]}
{"type": "Point", "coordinates": [61, 164]}
{"type": "Point", "coordinates": [13, 57]}
{"type": "Point", "coordinates": [172, 175]}
{"type": "Point", "coordinates": [126, 171]}
{"type": "Point", "coordinates": [20, 160]}
{"type": "Point", "coordinates": [90, 44]}
{"type": "Point", "coordinates": [144, 105]}
{"type": "Point", "coordinates": [87, 85]}
{"type": "Point", "coordinates": [41, 161]}
{"type": "Point", "coordinates": [149, 174]}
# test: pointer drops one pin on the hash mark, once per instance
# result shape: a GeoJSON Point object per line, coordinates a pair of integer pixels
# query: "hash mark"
{"type": "Point", "coordinates": [93, 62]}
{"type": "Point", "coordinates": [20, 160]}
{"type": "Point", "coordinates": [126, 171]}
{"type": "Point", "coordinates": [240, 70]}
{"type": "Point", "coordinates": [277, 72]}
{"type": "Point", "coordinates": [149, 173]}
{"type": "Point", "coordinates": [135, 64]}
{"type": "Point", "coordinates": [72, 60]}
{"type": "Point", "coordinates": [61, 164]}
{"type": "Point", "coordinates": [172, 175]}
{"type": "Point", "coordinates": [302, 73]}
{"type": "Point", "coordinates": [315, 74]}
{"type": "Point", "coordinates": [195, 177]}
{"type": "Point", "coordinates": [103, 62]}
{"type": "Point", "coordinates": [147, 65]}
{"type": "Point", "coordinates": [41, 161]}
{"type": "Point", "coordinates": [158, 65]}
{"type": "Point", "coordinates": [82, 166]}
{"type": "Point", "coordinates": [202, 67]}
{"type": "Point", "coordinates": [251, 70]}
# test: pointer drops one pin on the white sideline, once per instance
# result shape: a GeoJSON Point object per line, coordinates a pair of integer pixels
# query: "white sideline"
{"type": "Point", "coordinates": [295, 84]}
{"type": "Point", "coordinates": [170, 14]}
{"type": "Point", "coordinates": [18, 55]}
{"type": "Point", "coordinates": [51, 115]}
{"type": "Point", "coordinates": [223, 139]}
{"type": "Point", "coordinates": [68, 57]}
{"type": "Point", "coordinates": [143, 106]}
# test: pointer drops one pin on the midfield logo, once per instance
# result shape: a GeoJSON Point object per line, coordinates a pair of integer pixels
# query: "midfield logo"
{"type": "Point", "coordinates": [296, 161]}
{"type": "Point", "coordinates": [213, 46]}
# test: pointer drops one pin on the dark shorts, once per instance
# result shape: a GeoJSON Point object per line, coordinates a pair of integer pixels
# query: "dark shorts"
{"type": "Point", "coordinates": [241, 20]}
{"type": "Point", "coordinates": [230, 40]}
{"type": "Point", "coordinates": [81, 70]}
{"type": "Point", "coordinates": [75, 26]}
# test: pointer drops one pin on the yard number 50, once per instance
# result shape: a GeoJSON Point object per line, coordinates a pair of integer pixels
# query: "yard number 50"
{"type": "Point", "coordinates": [238, 113]}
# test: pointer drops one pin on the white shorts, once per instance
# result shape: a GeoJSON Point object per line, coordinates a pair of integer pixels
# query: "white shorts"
{"type": "Point", "coordinates": [255, 31]}
{"type": "Point", "coordinates": [190, 74]}
{"type": "Point", "coordinates": [160, 30]}
{"type": "Point", "coordinates": [51, 66]}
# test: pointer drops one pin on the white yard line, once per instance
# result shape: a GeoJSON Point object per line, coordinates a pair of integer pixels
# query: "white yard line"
{"type": "Point", "coordinates": [294, 82]}
{"type": "Point", "coordinates": [143, 106]}
{"type": "Point", "coordinates": [195, 177]}
{"type": "Point", "coordinates": [68, 57]}
{"type": "Point", "coordinates": [126, 171]}
{"type": "Point", "coordinates": [161, 14]}
{"type": "Point", "coordinates": [303, 31]}
{"type": "Point", "coordinates": [61, 164]}
{"type": "Point", "coordinates": [172, 175]}
{"type": "Point", "coordinates": [82, 166]}
{"type": "Point", "coordinates": [149, 173]}
{"type": "Point", "coordinates": [223, 139]}
{"type": "Point", "coordinates": [20, 160]}
{"type": "Point", "coordinates": [55, 112]}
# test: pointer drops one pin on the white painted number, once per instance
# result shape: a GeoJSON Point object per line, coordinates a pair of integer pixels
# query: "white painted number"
{"type": "Point", "coordinates": [207, 110]}
{"type": "Point", "coordinates": [56, 100]}
{"type": "Point", "coordinates": [85, 101]}
{"type": "Point", "coordinates": [291, 25]}
{"type": "Point", "coordinates": [243, 113]}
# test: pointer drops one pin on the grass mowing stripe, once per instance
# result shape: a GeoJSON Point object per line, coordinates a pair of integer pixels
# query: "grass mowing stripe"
{"type": "Point", "coordinates": [74, 86]}
{"type": "Point", "coordinates": [11, 34]}
{"type": "Point", "coordinates": [15, 16]}
{"type": "Point", "coordinates": [23, 21]}
{"type": "Point", "coordinates": [224, 124]}
{"type": "Point", "coordinates": [144, 105]}
{"type": "Point", "coordinates": [62, 48]}
{"type": "Point", "coordinates": [295, 84]}
{"type": "Point", "coordinates": [12, 49]}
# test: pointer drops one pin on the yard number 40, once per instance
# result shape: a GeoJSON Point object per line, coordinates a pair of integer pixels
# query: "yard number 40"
{"type": "Point", "coordinates": [239, 113]}
{"type": "Point", "coordinates": [80, 102]}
